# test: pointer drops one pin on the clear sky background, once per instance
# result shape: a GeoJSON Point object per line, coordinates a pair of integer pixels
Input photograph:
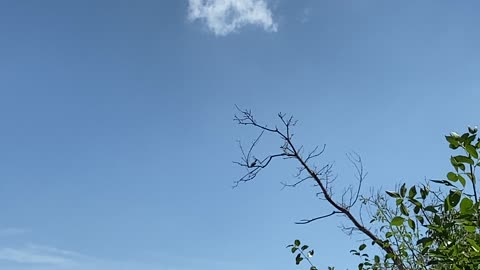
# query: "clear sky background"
{"type": "Point", "coordinates": [117, 139]}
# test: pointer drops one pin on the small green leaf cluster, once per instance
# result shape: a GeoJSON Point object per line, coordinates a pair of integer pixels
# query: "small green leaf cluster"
{"type": "Point", "coordinates": [449, 226]}
{"type": "Point", "coordinates": [425, 228]}
{"type": "Point", "coordinates": [410, 205]}
{"type": "Point", "coordinates": [366, 262]}
{"type": "Point", "coordinates": [453, 236]}
{"type": "Point", "coordinates": [302, 252]}
{"type": "Point", "coordinates": [404, 224]}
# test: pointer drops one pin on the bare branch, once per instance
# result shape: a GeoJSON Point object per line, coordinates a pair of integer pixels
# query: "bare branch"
{"type": "Point", "coordinates": [296, 183]}
{"type": "Point", "coordinates": [306, 221]}
{"type": "Point", "coordinates": [315, 153]}
{"type": "Point", "coordinates": [254, 168]}
{"type": "Point", "coordinates": [322, 178]}
{"type": "Point", "coordinates": [360, 175]}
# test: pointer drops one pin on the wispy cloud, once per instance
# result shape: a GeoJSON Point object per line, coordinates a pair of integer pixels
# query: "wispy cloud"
{"type": "Point", "coordinates": [50, 258]}
{"type": "Point", "coordinates": [37, 255]}
{"type": "Point", "coordinates": [223, 17]}
{"type": "Point", "coordinates": [53, 250]}
{"type": "Point", "coordinates": [305, 16]}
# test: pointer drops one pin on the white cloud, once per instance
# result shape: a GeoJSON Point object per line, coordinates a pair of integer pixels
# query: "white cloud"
{"type": "Point", "coordinates": [226, 16]}
{"type": "Point", "coordinates": [31, 255]}
{"type": "Point", "coordinates": [40, 257]}
{"type": "Point", "coordinates": [56, 251]}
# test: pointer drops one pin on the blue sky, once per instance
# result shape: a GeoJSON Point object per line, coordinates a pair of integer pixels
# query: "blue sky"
{"type": "Point", "coordinates": [117, 134]}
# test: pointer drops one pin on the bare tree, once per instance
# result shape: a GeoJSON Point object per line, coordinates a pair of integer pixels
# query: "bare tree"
{"type": "Point", "coordinates": [321, 176]}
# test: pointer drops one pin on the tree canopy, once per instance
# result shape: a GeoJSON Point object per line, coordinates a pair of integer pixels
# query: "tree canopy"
{"type": "Point", "coordinates": [432, 225]}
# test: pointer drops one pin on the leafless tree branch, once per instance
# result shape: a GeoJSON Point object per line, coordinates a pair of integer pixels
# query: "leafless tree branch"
{"type": "Point", "coordinates": [322, 178]}
{"type": "Point", "coordinates": [306, 221]}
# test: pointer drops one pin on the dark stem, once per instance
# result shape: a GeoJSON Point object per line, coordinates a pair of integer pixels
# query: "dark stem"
{"type": "Point", "coordinates": [387, 248]}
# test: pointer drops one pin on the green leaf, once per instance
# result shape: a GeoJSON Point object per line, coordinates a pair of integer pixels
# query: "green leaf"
{"type": "Point", "coordinates": [463, 159]}
{"type": "Point", "coordinates": [470, 139]}
{"type": "Point", "coordinates": [294, 249]}
{"type": "Point", "coordinates": [415, 202]}
{"type": "Point", "coordinates": [454, 146]}
{"type": "Point", "coordinates": [454, 163]}
{"type": "Point", "coordinates": [403, 190]}
{"type": "Point", "coordinates": [403, 209]}
{"type": "Point", "coordinates": [431, 208]}
{"type": "Point", "coordinates": [472, 130]}
{"type": "Point", "coordinates": [446, 205]}
{"type": "Point", "coordinates": [298, 259]}
{"type": "Point", "coordinates": [437, 220]}
{"type": "Point", "coordinates": [454, 197]}
{"type": "Point", "coordinates": [314, 268]}
{"type": "Point", "coordinates": [362, 247]}
{"type": "Point", "coordinates": [466, 206]}
{"type": "Point", "coordinates": [426, 241]}
{"type": "Point", "coordinates": [304, 247]}
{"type": "Point", "coordinates": [452, 140]}
{"type": "Point", "coordinates": [397, 221]}
{"type": "Point", "coordinates": [297, 242]}
{"type": "Point", "coordinates": [412, 192]}
{"type": "Point", "coordinates": [399, 201]}
{"type": "Point", "coordinates": [377, 259]}
{"type": "Point", "coordinates": [462, 180]}
{"type": "Point", "coordinates": [393, 194]}
{"type": "Point", "coordinates": [452, 176]}
{"type": "Point", "coordinates": [424, 193]}
{"type": "Point", "coordinates": [471, 150]}
{"type": "Point", "coordinates": [411, 223]}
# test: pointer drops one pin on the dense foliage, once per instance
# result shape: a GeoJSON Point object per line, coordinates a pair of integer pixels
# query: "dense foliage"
{"type": "Point", "coordinates": [427, 229]}
{"type": "Point", "coordinates": [429, 226]}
